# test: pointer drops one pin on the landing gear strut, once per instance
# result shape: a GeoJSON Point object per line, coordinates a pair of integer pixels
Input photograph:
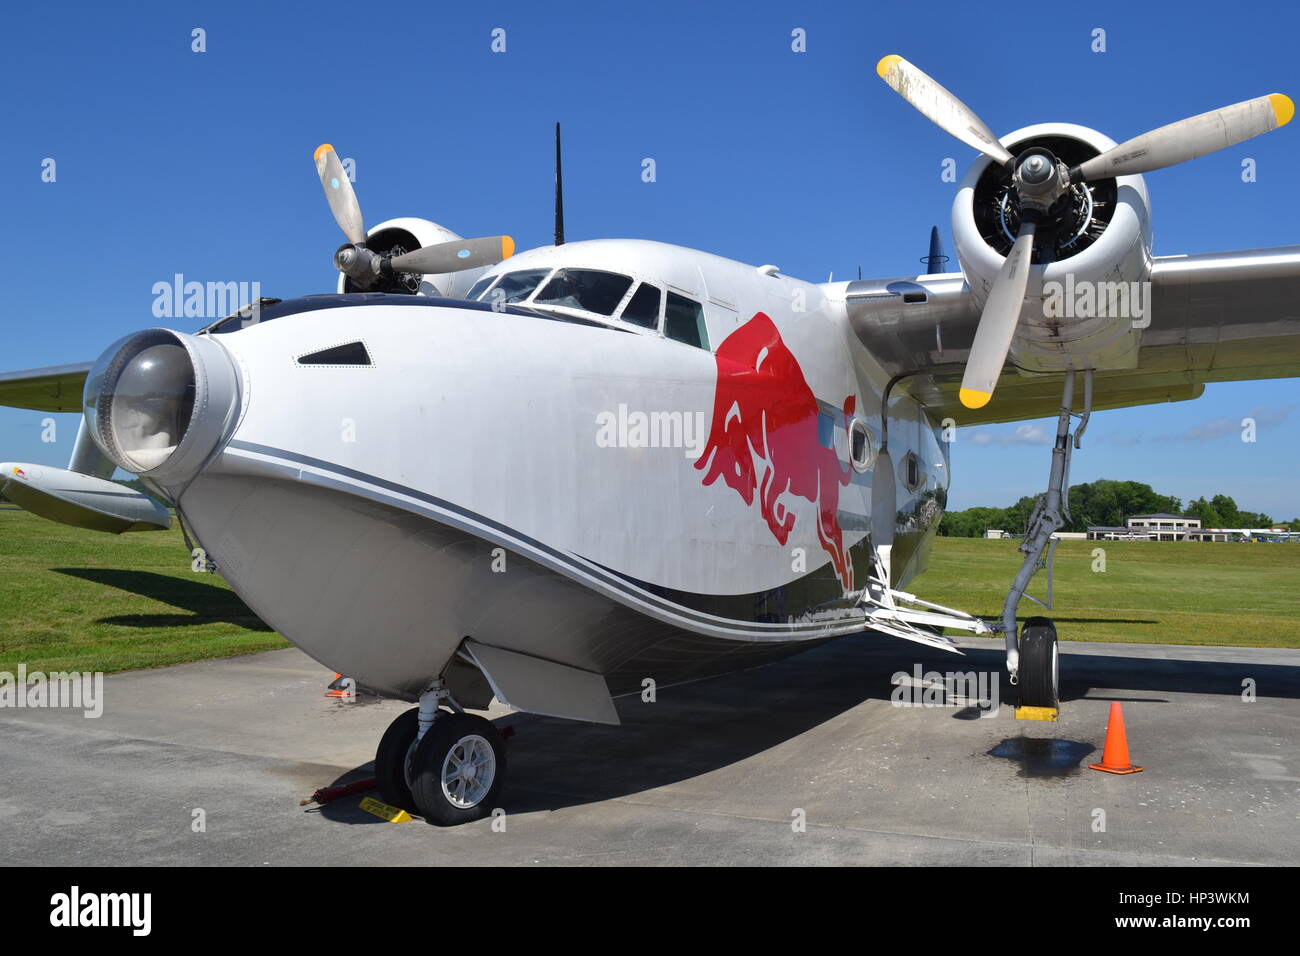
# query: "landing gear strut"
{"type": "Point", "coordinates": [446, 765]}
{"type": "Point", "coordinates": [1031, 651]}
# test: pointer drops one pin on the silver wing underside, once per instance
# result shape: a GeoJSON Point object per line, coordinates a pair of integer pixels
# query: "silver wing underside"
{"type": "Point", "coordinates": [1215, 317]}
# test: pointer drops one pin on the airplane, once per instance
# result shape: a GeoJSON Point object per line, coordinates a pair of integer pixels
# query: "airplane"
{"type": "Point", "coordinates": [563, 475]}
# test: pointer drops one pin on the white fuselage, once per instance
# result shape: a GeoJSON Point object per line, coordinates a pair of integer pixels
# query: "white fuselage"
{"type": "Point", "coordinates": [566, 485]}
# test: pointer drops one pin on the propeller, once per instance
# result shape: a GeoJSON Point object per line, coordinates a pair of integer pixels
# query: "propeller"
{"type": "Point", "coordinates": [997, 325]}
{"type": "Point", "coordinates": [940, 107]}
{"type": "Point", "coordinates": [367, 268]}
{"type": "Point", "coordinates": [1191, 138]}
{"type": "Point", "coordinates": [339, 194]}
{"type": "Point", "coordinates": [1039, 179]}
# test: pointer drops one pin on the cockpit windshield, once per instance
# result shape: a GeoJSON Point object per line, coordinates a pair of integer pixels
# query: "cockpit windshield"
{"type": "Point", "coordinates": [588, 289]}
{"type": "Point", "coordinates": [476, 290]}
{"type": "Point", "coordinates": [514, 287]}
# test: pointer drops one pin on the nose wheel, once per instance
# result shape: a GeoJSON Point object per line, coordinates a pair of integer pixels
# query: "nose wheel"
{"type": "Point", "coordinates": [457, 769]}
{"type": "Point", "coordinates": [391, 759]}
{"type": "Point", "coordinates": [451, 775]}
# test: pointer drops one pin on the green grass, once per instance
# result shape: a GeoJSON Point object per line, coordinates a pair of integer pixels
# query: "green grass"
{"type": "Point", "coordinates": [77, 600]}
{"type": "Point", "coordinates": [82, 600]}
{"type": "Point", "coordinates": [1155, 592]}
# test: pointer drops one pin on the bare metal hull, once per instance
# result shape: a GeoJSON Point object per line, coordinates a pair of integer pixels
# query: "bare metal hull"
{"type": "Point", "coordinates": [387, 595]}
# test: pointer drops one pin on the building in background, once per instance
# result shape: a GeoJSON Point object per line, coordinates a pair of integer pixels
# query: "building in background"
{"type": "Point", "coordinates": [1166, 527]}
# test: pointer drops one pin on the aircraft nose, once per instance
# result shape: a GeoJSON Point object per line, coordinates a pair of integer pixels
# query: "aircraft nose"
{"type": "Point", "coordinates": [158, 403]}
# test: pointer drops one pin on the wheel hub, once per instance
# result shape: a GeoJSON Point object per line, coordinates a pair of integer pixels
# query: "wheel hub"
{"type": "Point", "coordinates": [468, 771]}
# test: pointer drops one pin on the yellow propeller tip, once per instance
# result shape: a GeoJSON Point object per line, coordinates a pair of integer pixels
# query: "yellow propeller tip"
{"type": "Point", "coordinates": [322, 148]}
{"type": "Point", "coordinates": [1283, 108]}
{"type": "Point", "coordinates": [973, 398]}
{"type": "Point", "coordinates": [886, 64]}
{"type": "Point", "coordinates": [507, 247]}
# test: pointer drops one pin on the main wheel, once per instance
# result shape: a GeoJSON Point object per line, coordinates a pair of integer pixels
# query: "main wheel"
{"type": "Point", "coordinates": [459, 768]}
{"type": "Point", "coordinates": [391, 757]}
{"type": "Point", "coordinates": [1039, 668]}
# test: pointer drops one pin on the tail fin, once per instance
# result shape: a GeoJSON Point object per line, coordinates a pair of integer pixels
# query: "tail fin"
{"type": "Point", "coordinates": [936, 257]}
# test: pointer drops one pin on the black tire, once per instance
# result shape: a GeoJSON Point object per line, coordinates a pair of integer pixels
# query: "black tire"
{"type": "Point", "coordinates": [1039, 664]}
{"type": "Point", "coordinates": [390, 761]}
{"type": "Point", "coordinates": [454, 732]}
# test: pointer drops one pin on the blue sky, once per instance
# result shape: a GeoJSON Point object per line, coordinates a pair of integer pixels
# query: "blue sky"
{"type": "Point", "coordinates": [200, 163]}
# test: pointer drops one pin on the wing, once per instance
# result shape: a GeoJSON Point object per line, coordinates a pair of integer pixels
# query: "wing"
{"type": "Point", "coordinates": [54, 389]}
{"type": "Point", "coordinates": [1216, 317]}
{"type": "Point", "coordinates": [81, 495]}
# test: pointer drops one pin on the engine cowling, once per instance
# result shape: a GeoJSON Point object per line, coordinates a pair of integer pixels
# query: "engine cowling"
{"type": "Point", "coordinates": [1088, 293]}
{"type": "Point", "coordinates": [396, 236]}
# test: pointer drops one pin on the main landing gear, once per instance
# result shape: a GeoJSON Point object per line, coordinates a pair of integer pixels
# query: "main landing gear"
{"type": "Point", "coordinates": [1032, 659]}
{"type": "Point", "coordinates": [1039, 669]}
{"type": "Point", "coordinates": [446, 765]}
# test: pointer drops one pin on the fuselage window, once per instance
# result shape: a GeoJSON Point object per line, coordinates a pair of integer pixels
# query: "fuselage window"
{"type": "Point", "coordinates": [859, 444]}
{"type": "Point", "coordinates": [684, 321]}
{"type": "Point", "coordinates": [586, 289]}
{"type": "Point", "coordinates": [643, 308]}
{"type": "Point", "coordinates": [480, 287]}
{"type": "Point", "coordinates": [517, 286]}
{"type": "Point", "coordinates": [912, 471]}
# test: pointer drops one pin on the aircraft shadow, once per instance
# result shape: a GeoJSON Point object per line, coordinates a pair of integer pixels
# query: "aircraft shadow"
{"type": "Point", "coordinates": [704, 726]}
{"type": "Point", "coordinates": [205, 603]}
{"type": "Point", "coordinates": [697, 728]}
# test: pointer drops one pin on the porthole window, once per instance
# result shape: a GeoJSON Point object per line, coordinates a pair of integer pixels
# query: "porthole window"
{"type": "Point", "coordinates": [860, 449]}
{"type": "Point", "coordinates": [911, 471]}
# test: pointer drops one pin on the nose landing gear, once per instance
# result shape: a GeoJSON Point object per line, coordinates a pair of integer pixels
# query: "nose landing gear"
{"type": "Point", "coordinates": [458, 769]}
{"type": "Point", "coordinates": [451, 772]}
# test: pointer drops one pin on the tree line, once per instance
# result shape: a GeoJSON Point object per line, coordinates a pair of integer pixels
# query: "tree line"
{"type": "Point", "coordinates": [1108, 503]}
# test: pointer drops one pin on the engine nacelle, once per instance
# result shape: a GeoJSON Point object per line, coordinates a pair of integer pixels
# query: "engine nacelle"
{"type": "Point", "coordinates": [1088, 296]}
{"type": "Point", "coordinates": [406, 235]}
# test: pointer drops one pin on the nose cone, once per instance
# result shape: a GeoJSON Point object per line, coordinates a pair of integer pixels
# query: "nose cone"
{"type": "Point", "coordinates": [1035, 169]}
{"type": "Point", "coordinates": [159, 403]}
{"type": "Point", "coordinates": [152, 403]}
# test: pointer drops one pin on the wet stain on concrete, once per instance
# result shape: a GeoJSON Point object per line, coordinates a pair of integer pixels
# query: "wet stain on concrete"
{"type": "Point", "coordinates": [1043, 756]}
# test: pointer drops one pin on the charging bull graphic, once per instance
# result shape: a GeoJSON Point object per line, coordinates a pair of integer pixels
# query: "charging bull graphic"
{"type": "Point", "coordinates": [764, 409]}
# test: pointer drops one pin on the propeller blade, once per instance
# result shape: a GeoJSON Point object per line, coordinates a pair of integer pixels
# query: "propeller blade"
{"type": "Point", "coordinates": [455, 256]}
{"type": "Point", "coordinates": [988, 353]}
{"type": "Point", "coordinates": [1190, 138]}
{"type": "Point", "coordinates": [942, 108]}
{"type": "Point", "coordinates": [339, 193]}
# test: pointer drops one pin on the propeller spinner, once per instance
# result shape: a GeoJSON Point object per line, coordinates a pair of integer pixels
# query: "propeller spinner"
{"type": "Point", "coordinates": [1039, 179]}
{"type": "Point", "coordinates": [367, 268]}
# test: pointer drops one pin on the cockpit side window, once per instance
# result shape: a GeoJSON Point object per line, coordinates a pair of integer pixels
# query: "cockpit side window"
{"type": "Point", "coordinates": [644, 306]}
{"type": "Point", "coordinates": [684, 321]}
{"type": "Point", "coordinates": [516, 286]}
{"type": "Point", "coordinates": [588, 289]}
{"type": "Point", "coordinates": [480, 287]}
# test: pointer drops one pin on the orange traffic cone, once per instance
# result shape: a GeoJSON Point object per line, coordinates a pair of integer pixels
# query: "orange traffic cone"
{"type": "Point", "coordinates": [1115, 757]}
{"type": "Point", "coordinates": [337, 688]}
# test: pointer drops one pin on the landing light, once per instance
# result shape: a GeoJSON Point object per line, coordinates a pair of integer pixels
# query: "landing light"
{"type": "Point", "coordinates": [158, 402]}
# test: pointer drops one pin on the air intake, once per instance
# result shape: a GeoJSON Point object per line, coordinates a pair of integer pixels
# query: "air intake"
{"type": "Point", "coordinates": [353, 353]}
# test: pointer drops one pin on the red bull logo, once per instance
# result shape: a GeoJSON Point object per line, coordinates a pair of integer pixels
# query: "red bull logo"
{"type": "Point", "coordinates": [765, 418]}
